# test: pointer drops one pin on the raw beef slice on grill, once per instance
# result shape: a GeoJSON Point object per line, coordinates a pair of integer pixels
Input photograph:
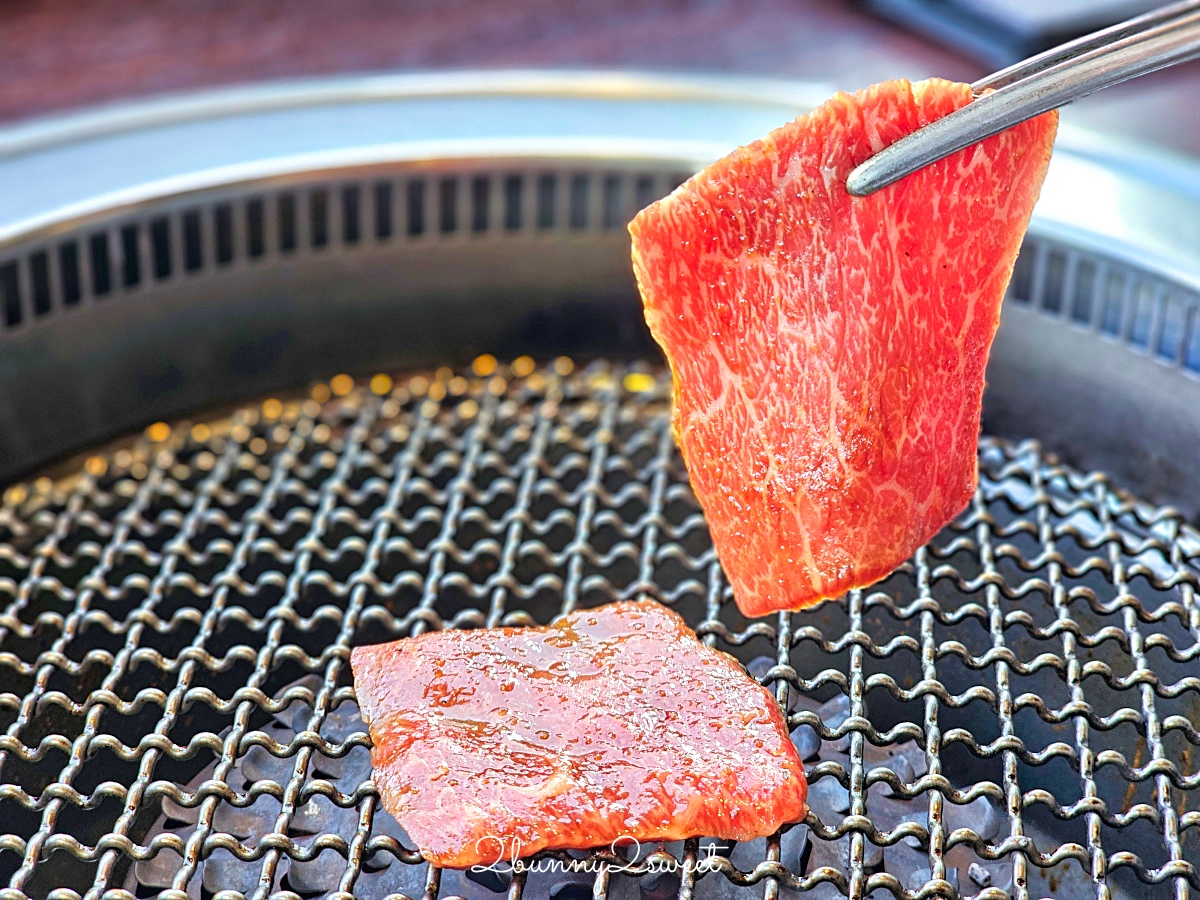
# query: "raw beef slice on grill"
{"type": "Point", "coordinates": [828, 351]}
{"type": "Point", "coordinates": [613, 722]}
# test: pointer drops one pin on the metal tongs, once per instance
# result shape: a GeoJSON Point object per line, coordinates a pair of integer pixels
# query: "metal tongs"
{"type": "Point", "coordinates": [1047, 81]}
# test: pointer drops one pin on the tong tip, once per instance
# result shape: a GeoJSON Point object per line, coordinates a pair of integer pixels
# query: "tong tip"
{"type": "Point", "coordinates": [865, 180]}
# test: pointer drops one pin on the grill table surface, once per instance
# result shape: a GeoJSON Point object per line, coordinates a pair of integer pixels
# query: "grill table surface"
{"type": "Point", "coordinates": [173, 597]}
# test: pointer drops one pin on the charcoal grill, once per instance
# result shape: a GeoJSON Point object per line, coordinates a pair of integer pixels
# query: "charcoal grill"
{"type": "Point", "coordinates": [375, 351]}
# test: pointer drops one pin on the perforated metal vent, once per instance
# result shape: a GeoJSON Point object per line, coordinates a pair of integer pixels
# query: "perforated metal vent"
{"type": "Point", "coordinates": [138, 254]}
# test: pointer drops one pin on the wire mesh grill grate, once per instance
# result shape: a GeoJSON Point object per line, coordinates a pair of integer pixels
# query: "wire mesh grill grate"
{"type": "Point", "coordinates": [178, 612]}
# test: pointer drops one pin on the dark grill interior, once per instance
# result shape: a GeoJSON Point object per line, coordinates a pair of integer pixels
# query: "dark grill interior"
{"type": "Point", "coordinates": [177, 613]}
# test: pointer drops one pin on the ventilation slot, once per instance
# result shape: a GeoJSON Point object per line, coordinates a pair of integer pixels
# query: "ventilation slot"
{"type": "Point", "coordinates": [481, 189]}
{"type": "Point", "coordinates": [579, 202]}
{"type": "Point", "coordinates": [286, 213]}
{"type": "Point", "coordinates": [39, 276]}
{"type": "Point", "coordinates": [1113, 304]}
{"type": "Point", "coordinates": [101, 265]}
{"type": "Point", "coordinates": [68, 271]}
{"type": "Point", "coordinates": [383, 210]}
{"type": "Point", "coordinates": [448, 203]}
{"type": "Point", "coordinates": [10, 294]}
{"type": "Point", "coordinates": [131, 263]}
{"type": "Point", "coordinates": [351, 228]}
{"type": "Point", "coordinates": [1083, 302]}
{"type": "Point", "coordinates": [1191, 351]}
{"type": "Point", "coordinates": [256, 227]}
{"type": "Point", "coordinates": [545, 202]}
{"type": "Point", "coordinates": [193, 241]}
{"type": "Point", "coordinates": [612, 217]}
{"type": "Point", "coordinates": [1170, 337]}
{"type": "Point", "coordinates": [644, 191]}
{"type": "Point", "coordinates": [1144, 309]}
{"type": "Point", "coordinates": [224, 228]}
{"type": "Point", "coordinates": [416, 208]}
{"type": "Point", "coordinates": [318, 218]}
{"type": "Point", "coordinates": [1053, 285]}
{"type": "Point", "coordinates": [160, 247]}
{"type": "Point", "coordinates": [513, 189]}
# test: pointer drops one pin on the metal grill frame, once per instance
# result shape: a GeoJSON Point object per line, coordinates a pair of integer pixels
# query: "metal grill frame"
{"type": "Point", "coordinates": [378, 508]}
{"type": "Point", "coordinates": [392, 193]}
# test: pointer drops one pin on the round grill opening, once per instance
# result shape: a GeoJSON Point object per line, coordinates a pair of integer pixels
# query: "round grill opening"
{"type": "Point", "coordinates": [1013, 713]}
{"type": "Point", "coordinates": [1009, 714]}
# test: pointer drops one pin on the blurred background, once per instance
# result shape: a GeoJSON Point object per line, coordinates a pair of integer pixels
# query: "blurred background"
{"type": "Point", "coordinates": [57, 55]}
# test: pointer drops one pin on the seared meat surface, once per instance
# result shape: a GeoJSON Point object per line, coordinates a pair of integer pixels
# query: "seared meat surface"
{"type": "Point", "coordinates": [612, 722]}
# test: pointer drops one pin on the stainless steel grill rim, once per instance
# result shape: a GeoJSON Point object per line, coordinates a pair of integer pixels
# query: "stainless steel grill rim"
{"type": "Point", "coordinates": [161, 601]}
{"type": "Point", "coordinates": [309, 224]}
